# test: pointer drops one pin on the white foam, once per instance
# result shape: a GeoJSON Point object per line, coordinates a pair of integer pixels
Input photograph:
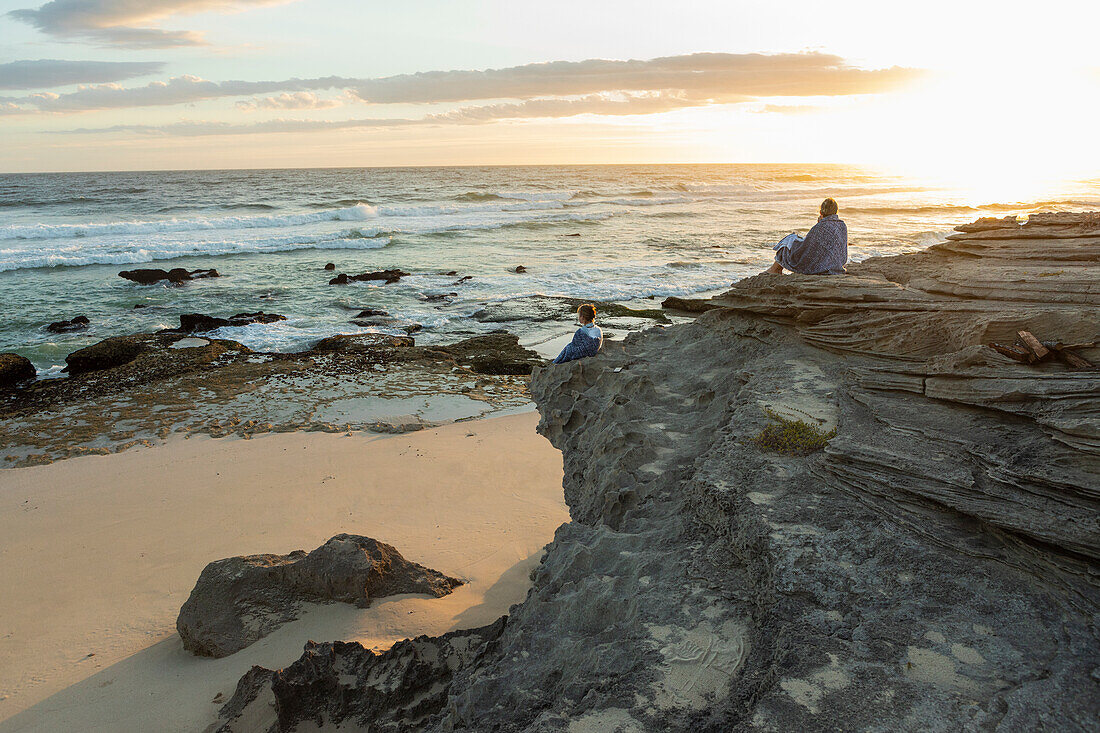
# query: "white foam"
{"type": "Point", "coordinates": [359, 212]}
{"type": "Point", "coordinates": [125, 253]}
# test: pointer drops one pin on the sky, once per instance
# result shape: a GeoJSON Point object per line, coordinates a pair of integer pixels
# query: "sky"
{"type": "Point", "coordinates": [986, 93]}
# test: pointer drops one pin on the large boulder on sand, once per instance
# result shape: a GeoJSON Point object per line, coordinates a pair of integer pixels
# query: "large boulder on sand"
{"type": "Point", "coordinates": [112, 352]}
{"type": "Point", "coordinates": [14, 369]}
{"type": "Point", "coordinates": [241, 599]}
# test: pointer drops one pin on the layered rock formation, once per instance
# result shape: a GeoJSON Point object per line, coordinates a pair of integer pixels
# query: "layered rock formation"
{"type": "Point", "coordinates": [935, 567]}
{"type": "Point", "coordinates": [239, 600]}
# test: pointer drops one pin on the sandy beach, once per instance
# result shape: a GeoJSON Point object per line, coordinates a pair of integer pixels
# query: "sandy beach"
{"type": "Point", "coordinates": [103, 550]}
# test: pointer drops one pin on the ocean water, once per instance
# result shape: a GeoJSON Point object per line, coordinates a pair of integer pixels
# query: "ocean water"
{"type": "Point", "coordinates": [624, 233]}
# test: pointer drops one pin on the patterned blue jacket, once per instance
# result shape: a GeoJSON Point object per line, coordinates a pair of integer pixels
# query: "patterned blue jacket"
{"type": "Point", "coordinates": [587, 341]}
{"type": "Point", "coordinates": [823, 251]}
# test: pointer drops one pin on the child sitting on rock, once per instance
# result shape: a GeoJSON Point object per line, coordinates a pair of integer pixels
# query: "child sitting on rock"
{"type": "Point", "coordinates": [587, 340]}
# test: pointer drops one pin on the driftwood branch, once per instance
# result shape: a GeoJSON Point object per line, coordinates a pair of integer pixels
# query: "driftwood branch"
{"type": "Point", "coordinates": [1030, 350]}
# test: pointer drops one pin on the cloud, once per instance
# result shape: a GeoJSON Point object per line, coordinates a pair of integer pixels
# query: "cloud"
{"type": "Point", "coordinates": [46, 73]}
{"type": "Point", "coordinates": [125, 22]}
{"type": "Point", "coordinates": [703, 77]}
{"type": "Point", "coordinates": [596, 104]}
{"type": "Point", "coordinates": [618, 104]}
{"type": "Point", "coordinates": [787, 109]}
{"type": "Point", "coordinates": [177, 90]}
{"type": "Point", "coordinates": [198, 128]}
{"type": "Point", "coordinates": [297, 100]}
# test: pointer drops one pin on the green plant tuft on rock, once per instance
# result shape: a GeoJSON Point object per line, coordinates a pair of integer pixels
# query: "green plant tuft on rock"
{"type": "Point", "coordinates": [792, 437]}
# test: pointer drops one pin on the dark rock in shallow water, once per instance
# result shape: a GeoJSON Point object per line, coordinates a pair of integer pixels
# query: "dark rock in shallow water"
{"type": "Point", "coordinates": [175, 275]}
{"type": "Point", "coordinates": [241, 599]}
{"type": "Point", "coordinates": [439, 297]}
{"type": "Point", "coordinates": [14, 369]}
{"type": "Point", "coordinates": [464, 278]}
{"type": "Point", "coordinates": [76, 324]}
{"type": "Point", "coordinates": [199, 323]}
{"type": "Point", "coordinates": [330, 266]}
{"type": "Point", "coordinates": [388, 276]}
{"type": "Point", "coordinates": [345, 685]}
{"type": "Point", "coordinates": [370, 312]}
{"type": "Point", "coordinates": [520, 269]}
{"type": "Point", "coordinates": [111, 352]}
{"type": "Point", "coordinates": [550, 308]}
{"type": "Point", "coordinates": [690, 305]}
{"type": "Point", "coordinates": [351, 342]}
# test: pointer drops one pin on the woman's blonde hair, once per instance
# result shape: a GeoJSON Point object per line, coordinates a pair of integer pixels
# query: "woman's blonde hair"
{"type": "Point", "coordinates": [829, 207]}
{"type": "Point", "coordinates": [586, 313]}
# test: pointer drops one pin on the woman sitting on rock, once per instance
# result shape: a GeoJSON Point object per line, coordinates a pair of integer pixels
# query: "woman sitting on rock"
{"type": "Point", "coordinates": [588, 339]}
{"type": "Point", "coordinates": [823, 251]}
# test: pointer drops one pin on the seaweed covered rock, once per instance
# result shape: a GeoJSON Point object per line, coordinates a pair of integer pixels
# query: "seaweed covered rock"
{"type": "Point", "coordinates": [241, 599]}
{"type": "Point", "coordinates": [362, 342]}
{"type": "Point", "coordinates": [106, 354]}
{"type": "Point", "coordinates": [497, 353]}
{"type": "Point", "coordinates": [14, 369]}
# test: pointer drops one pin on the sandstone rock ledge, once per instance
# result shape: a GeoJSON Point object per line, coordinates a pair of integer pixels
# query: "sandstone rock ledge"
{"type": "Point", "coordinates": [935, 567]}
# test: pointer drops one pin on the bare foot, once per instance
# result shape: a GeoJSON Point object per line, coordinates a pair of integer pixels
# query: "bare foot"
{"type": "Point", "coordinates": [775, 269]}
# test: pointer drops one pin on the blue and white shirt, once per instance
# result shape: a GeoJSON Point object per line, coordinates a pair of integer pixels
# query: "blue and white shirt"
{"type": "Point", "coordinates": [587, 341]}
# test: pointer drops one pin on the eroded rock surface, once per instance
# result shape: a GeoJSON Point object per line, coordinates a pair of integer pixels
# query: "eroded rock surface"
{"type": "Point", "coordinates": [241, 599]}
{"type": "Point", "coordinates": [935, 567]}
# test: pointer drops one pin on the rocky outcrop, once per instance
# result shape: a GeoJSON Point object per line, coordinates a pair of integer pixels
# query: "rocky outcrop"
{"type": "Point", "coordinates": [199, 322]}
{"type": "Point", "coordinates": [341, 682]}
{"type": "Point", "coordinates": [936, 566]}
{"type": "Point", "coordinates": [175, 276]}
{"type": "Point", "coordinates": [79, 323]}
{"type": "Point", "coordinates": [241, 599]}
{"type": "Point", "coordinates": [15, 369]}
{"type": "Point", "coordinates": [387, 276]}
